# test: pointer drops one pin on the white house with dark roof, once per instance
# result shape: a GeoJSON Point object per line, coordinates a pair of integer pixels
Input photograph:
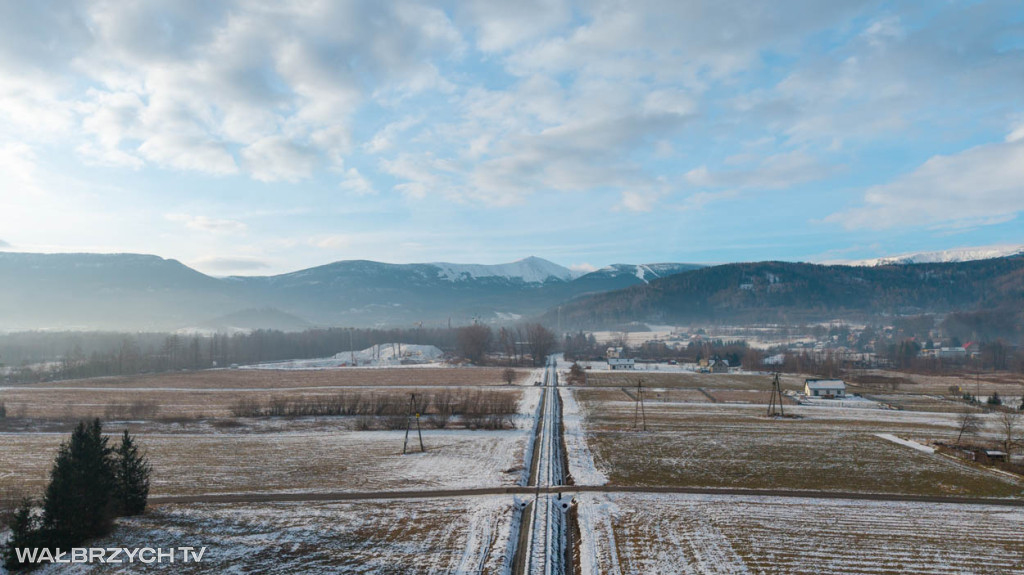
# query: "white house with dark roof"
{"type": "Point", "coordinates": [827, 388]}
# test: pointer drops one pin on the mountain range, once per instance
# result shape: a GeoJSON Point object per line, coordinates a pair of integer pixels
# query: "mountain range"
{"type": "Point", "coordinates": [788, 293]}
{"type": "Point", "coordinates": [145, 292]}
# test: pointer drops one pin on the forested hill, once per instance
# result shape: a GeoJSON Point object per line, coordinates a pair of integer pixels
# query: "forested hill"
{"type": "Point", "coordinates": [795, 292]}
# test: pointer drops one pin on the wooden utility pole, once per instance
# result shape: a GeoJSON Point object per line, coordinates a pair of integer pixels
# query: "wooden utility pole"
{"type": "Point", "coordinates": [413, 412]}
{"type": "Point", "coordinates": [776, 399]}
{"type": "Point", "coordinates": [638, 412]}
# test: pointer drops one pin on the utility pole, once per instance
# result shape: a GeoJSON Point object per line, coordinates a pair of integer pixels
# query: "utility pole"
{"type": "Point", "coordinates": [352, 346]}
{"type": "Point", "coordinates": [408, 425]}
{"type": "Point", "coordinates": [638, 411]}
{"type": "Point", "coordinates": [776, 393]}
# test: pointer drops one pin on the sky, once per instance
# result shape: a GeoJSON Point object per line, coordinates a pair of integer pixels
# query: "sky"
{"type": "Point", "coordinates": [256, 137]}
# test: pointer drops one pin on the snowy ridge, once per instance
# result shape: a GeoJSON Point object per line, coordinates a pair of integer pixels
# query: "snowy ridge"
{"type": "Point", "coordinates": [529, 270]}
{"type": "Point", "coordinates": [944, 256]}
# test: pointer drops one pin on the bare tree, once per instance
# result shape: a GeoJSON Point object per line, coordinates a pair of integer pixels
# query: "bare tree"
{"type": "Point", "coordinates": [1009, 427]}
{"type": "Point", "coordinates": [473, 341]}
{"type": "Point", "coordinates": [509, 375]}
{"type": "Point", "coordinates": [969, 424]}
{"type": "Point", "coordinates": [541, 342]}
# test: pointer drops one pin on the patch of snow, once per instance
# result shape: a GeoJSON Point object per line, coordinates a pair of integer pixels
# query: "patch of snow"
{"type": "Point", "coordinates": [529, 270]}
{"type": "Point", "coordinates": [906, 442]}
{"type": "Point", "coordinates": [943, 256]}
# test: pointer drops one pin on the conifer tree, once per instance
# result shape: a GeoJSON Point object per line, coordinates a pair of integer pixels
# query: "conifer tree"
{"type": "Point", "coordinates": [25, 534]}
{"type": "Point", "coordinates": [132, 472]}
{"type": "Point", "coordinates": [78, 504]}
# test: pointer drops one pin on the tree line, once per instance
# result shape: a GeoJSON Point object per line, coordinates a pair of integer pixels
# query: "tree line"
{"type": "Point", "coordinates": [41, 356]}
{"type": "Point", "coordinates": [91, 484]}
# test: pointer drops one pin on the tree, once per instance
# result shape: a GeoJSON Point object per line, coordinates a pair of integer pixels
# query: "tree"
{"type": "Point", "coordinates": [541, 342]}
{"type": "Point", "coordinates": [78, 504]}
{"type": "Point", "coordinates": [25, 534]}
{"type": "Point", "coordinates": [473, 341]}
{"type": "Point", "coordinates": [969, 424]}
{"type": "Point", "coordinates": [509, 375]}
{"type": "Point", "coordinates": [576, 374]}
{"type": "Point", "coordinates": [132, 475]}
{"type": "Point", "coordinates": [1009, 424]}
{"type": "Point", "coordinates": [994, 399]}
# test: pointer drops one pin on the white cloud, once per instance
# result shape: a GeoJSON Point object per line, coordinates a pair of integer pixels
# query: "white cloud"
{"type": "Point", "coordinates": [979, 186]}
{"type": "Point", "coordinates": [221, 226]}
{"type": "Point", "coordinates": [504, 25]}
{"type": "Point", "coordinates": [331, 241]}
{"type": "Point", "coordinates": [355, 182]}
{"type": "Point", "coordinates": [222, 265]}
{"type": "Point", "coordinates": [582, 268]}
{"type": "Point", "coordinates": [384, 140]}
{"type": "Point", "coordinates": [774, 172]}
{"type": "Point", "coordinates": [276, 158]}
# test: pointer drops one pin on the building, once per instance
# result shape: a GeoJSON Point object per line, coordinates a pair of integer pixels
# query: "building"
{"type": "Point", "coordinates": [620, 363]}
{"type": "Point", "coordinates": [827, 388]}
{"type": "Point", "coordinates": [713, 366]}
{"type": "Point", "coordinates": [613, 353]}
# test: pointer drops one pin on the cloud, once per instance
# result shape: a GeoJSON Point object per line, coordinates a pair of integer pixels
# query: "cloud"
{"type": "Point", "coordinates": [582, 268]}
{"type": "Point", "coordinates": [220, 226]}
{"type": "Point", "coordinates": [5, 245]}
{"type": "Point", "coordinates": [774, 172]}
{"type": "Point", "coordinates": [218, 264]}
{"type": "Point", "coordinates": [185, 84]}
{"type": "Point", "coordinates": [504, 25]}
{"type": "Point", "coordinates": [331, 241]}
{"type": "Point", "coordinates": [275, 159]}
{"type": "Point", "coordinates": [355, 182]}
{"type": "Point", "coordinates": [978, 186]}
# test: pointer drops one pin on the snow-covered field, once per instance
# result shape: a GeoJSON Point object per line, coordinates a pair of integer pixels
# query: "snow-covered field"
{"type": "Point", "coordinates": [382, 355]}
{"type": "Point", "coordinates": [191, 464]}
{"type": "Point", "coordinates": [461, 535]}
{"type": "Point", "coordinates": [723, 445]}
{"type": "Point", "coordinates": [675, 534]}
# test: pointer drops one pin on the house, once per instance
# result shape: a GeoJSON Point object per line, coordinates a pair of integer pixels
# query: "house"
{"type": "Point", "coordinates": [613, 353]}
{"type": "Point", "coordinates": [952, 353]}
{"type": "Point", "coordinates": [713, 365]}
{"type": "Point", "coordinates": [620, 363]}
{"type": "Point", "coordinates": [827, 388]}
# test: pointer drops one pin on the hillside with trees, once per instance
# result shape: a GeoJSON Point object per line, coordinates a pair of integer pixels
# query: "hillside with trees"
{"type": "Point", "coordinates": [782, 292]}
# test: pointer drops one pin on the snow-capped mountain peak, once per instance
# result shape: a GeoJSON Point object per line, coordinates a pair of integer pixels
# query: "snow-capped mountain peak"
{"type": "Point", "coordinates": [944, 256]}
{"type": "Point", "coordinates": [529, 270]}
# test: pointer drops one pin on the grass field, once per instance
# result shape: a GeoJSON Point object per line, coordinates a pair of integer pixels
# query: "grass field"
{"type": "Point", "coordinates": [720, 445]}
{"type": "Point", "coordinates": [192, 464]}
{"type": "Point", "coordinates": [652, 534]}
{"type": "Point", "coordinates": [289, 378]}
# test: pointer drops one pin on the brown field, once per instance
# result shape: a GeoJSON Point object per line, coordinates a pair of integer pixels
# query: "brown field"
{"type": "Point", "coordinates": [213, 393]}
{"type": "Point", "coordinates": [1007, 384]}
{"type": "Point", "coordinates": [76, 403]}
{"type": "Point", "coordinates": [292, 378]}
{"type": "Point", "coordinates": [336, 460]}
{"type": "Point", "coordinates": [721, 445]}
{"type": "Point", "coordinates": [692, 380]}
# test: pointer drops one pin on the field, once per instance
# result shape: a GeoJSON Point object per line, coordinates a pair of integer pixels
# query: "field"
{"type": "Point", "coordinates": [735, 446]}
{"type": "Point", "coordinates": [462, 535]}
{"type": "Point", "coordinates": [652, 534]}
{"type": "Point", "coordinates": [703, 432]}
{"type": "Point", "coordinates": [321, 461]}
{"type": "Point", "coordinates": [213, 393]}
